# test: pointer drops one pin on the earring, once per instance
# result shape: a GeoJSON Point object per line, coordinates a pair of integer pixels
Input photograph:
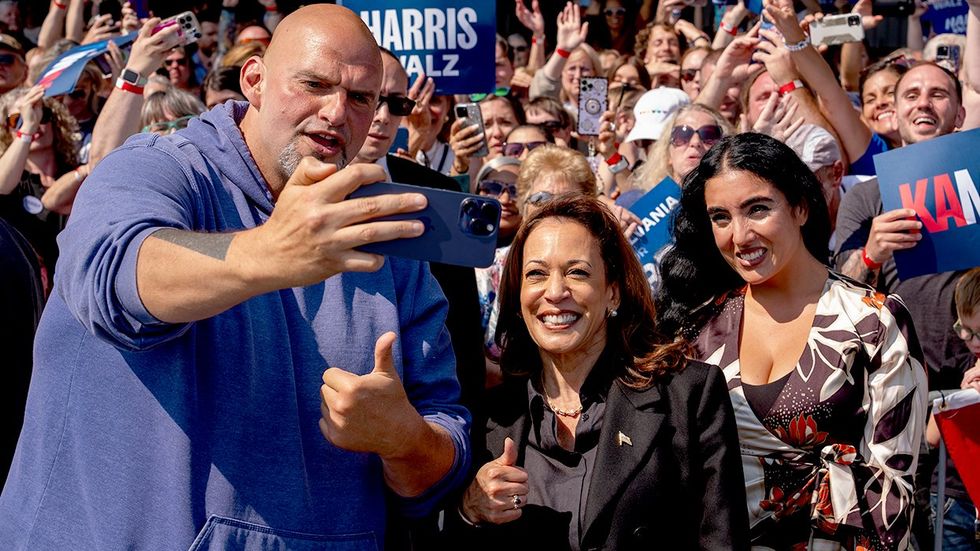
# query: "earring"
{"type": "Point", "coordinates": [613, 313]}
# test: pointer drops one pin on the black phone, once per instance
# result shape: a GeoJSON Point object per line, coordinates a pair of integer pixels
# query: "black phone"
{"type": "Point", "coordinates": [110, 7]}
{"type": "Point", "coordinates": [900, 8]}
{"type": "Point", "coordinates": [460, 228]}
{"type": "Point", "coordinates": [949, 55]}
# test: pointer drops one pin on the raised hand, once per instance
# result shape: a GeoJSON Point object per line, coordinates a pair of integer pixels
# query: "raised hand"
{"type": "Point", "coordinates": [364, 413]}
{"type": "Point", "coordinates": [490, 498]}
{"type": "Point", "coordinates": [419, 121]}
{"type": "Point", "coordinates": [103, 27]}
{"type": "Point", "coordinates": [532, 19]}
{"type": "Point", "coordinates": [571, 30]}
{"type": "Point", "coordinates": [30, 107]}
{"type": "Point", "coordinates": [892, 231]}
{"type": "Point", "coordinates": [868, 19]}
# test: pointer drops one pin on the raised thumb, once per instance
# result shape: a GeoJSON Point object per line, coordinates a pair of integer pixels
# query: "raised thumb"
{"type": "Point", "coordinates": [383, 361]}
{"type": "Point", "coordinates": [509, 455]}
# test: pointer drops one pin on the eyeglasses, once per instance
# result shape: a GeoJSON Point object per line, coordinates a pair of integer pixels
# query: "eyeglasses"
{"type": "Point", "coordinates": [688, 75]}
{"type": "Point", "coordinates": [680, 136]}
{"type": "Point", "coordinates": [520, 48]}
{"type": "Point", "coordinates": [168, 127]}
{"type": "Point", "coordinates": [540, 197]}
{"type": "Point", "coordinates": [400, 106]}
{"type": "Point", "coordinates": [496, 189]}
{"type": "Point", "coordinates": [499, 92]}
{"type": "Point", "coordinates": [615, 12]}
{"type": "Point", "coordinates": [965, 333]}
{"type": "Point", "coordinates": [78, 93]}
{"type": "Point", "coordinates": [15, 121]}
{"type": "Point", "coordinates": [900, 60]}
{"type": "Point", "coordinates": [515, 149]}
{"type": "Point", "coordinates": [7, 59]}
{"type": "Point", "coordinates": [169, 62]}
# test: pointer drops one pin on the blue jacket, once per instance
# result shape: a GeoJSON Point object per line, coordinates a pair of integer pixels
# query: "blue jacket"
{"type": "Point", "coordinates": [146, 435]}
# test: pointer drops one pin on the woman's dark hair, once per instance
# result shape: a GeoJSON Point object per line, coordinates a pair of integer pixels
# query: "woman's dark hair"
{"type": "Point", "coordinates": [897, 64]}
{"type": "Point", "coordinates": [693, 273]}
{"type": "Point", "coordinates": [515, 106]}
{"type": "Point", "coordinates": [224, 78]}
{"type": "Point", "coordinates": [635, 62]}
{"type": "Point", "coordinates": [639, 353]}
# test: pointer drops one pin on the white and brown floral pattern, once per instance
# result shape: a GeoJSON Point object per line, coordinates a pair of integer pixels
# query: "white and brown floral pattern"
{"type": "Point", "coordinates": [830, 465]}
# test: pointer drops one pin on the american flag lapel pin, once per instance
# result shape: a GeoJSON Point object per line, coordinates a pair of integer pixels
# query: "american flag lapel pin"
{"type": "Point", "coordinates": [623, 439]}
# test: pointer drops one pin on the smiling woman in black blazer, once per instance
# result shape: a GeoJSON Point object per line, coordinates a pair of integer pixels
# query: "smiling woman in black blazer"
{"type": "Point", "coordinates": [603, 435]}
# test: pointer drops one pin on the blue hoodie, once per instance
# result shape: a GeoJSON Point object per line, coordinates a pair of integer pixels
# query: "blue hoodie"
{"type": "Point", "coordinates": [146, 435]}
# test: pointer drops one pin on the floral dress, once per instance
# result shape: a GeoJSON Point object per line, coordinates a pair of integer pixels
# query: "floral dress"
{"type": "Point", "coordinates": [829, 463]}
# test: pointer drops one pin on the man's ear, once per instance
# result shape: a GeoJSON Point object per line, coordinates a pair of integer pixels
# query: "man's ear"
{"type": "Point", "coordinates": [252, 80]}
{"type": "Point", "coordinates": [838, 173]}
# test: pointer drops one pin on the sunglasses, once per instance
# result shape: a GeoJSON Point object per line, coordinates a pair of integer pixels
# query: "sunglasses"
{"type": "Point", "coordinates": [688, 75]}
{"type": "Point", "coordinates": [78, 93]}
{"type": "Point", "coordinates": [169, 62]}
{"type": "Point", "coordinates": [520, 48]}
{"type": "Point", "coordinates": [400, 106]}
{"type": "Point", "coordinates": [499, 92]}
{"type": "Point", "coordinates": [965, 333]}
{"type": "Point", "coordinates": [900, 60]}
{"type": "Point", "coordinates": [496, 189]}
{"type": "Point", "coordinates": [14, 120]}
{"type": "Point", "coordinates": [7, 59]}
{"type": "Point", "coordinates": [168, 127]}
{"type": "Point", "coordinates": [540, 197]}
{"type": "Point", "coordinates": [680, 136]}
{"type": "Point", "coordinates": [515, 149]}
{"type": "Point", "coordinates": [615, 12]}
{"type": "Point", "coordinates": [550, 126]}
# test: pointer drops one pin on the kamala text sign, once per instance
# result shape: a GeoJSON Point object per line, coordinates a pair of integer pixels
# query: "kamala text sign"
{"type": "Point", "coordinates": [938, 179]}
{"type": "Point", "coordinates": [452, 42]}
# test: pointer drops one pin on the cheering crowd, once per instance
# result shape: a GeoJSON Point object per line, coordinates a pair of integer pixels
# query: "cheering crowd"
{"type": "Point", "coordinates": [204, 357]}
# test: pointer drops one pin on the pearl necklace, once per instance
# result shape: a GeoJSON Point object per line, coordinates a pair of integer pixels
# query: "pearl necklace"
{"type": "Point", "coordinates": [573, 413]}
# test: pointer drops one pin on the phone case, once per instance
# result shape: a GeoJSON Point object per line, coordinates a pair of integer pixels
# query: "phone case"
{"type": "Point", "coordinates": [460, 228]}
{"type": "Point", "coordinates": [190, 29]}
{"type": "Point", "coordinates": [592, 103]}
{"type": "Point", "coordinates": [837, 29]}
{"type": "Point", "coordinates": [471, 115]}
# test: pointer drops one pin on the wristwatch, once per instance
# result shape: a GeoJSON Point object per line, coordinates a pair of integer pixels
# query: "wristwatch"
{"type": "Point", "coordinates": [132, 77]}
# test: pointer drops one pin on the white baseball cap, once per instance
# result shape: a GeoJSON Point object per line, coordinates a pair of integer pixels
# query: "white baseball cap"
{"type": "Point", "coordinates": [653, 110]}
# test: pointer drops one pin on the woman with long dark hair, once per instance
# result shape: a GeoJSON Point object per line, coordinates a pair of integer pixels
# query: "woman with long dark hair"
{"type": "Point", "coordinates": [825, 374]}
{"type": "Point", "coordinates": [603, 434]}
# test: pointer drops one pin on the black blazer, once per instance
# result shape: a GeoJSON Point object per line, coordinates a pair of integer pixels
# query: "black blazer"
{"type": "Point", "coordinates": [678, 486]}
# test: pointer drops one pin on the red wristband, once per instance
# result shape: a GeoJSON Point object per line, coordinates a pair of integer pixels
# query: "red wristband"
{"type": "Point", "coordinates": [24, 136]}
{"type": "Point", "coordinates": [59, 5]}
{"type": "Point", "coordinates": [614, 159]}
{"type": "Point", "coordinates": [272, 8]}
{"type": "Point", "coordinates": [534, 40]}
{"type": "Point", "coordinates": [563, 53]}
{"type": "Point", "coordinates": [129, 87]}
{"type": "Point", "coordinates": [733, 30]}
{"type": "Point", "coordinates": [871, 264]}
{"type": "Point", "coordinates": [790, 86]}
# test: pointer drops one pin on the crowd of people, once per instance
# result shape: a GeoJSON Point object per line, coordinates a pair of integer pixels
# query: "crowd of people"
{"type": "Point", "coordinates": [204, 357]}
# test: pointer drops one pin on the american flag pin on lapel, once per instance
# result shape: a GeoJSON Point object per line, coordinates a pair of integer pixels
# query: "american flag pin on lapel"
{"type": "Point", "coordinates": [623, 439]}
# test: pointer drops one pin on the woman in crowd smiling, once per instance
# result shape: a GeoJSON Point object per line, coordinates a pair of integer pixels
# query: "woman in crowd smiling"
{"type": "Point", "coordinates": [825, 374]}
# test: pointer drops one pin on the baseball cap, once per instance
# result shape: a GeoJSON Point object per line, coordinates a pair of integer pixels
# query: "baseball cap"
{"type": "Point", "coordinates": [652, 111]}
{"type": "Point", "coordinates": [10, 43]}
{"type": "Point", "coordinates": [816, 147]}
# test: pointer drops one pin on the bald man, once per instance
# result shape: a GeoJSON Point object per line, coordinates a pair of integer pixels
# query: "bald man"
{"type": "Point", "coordinates": [219, 366]}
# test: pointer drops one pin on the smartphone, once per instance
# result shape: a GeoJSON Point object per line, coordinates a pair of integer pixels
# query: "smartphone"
{"type": "Point", "coordinates": [592, 103]}
{"type": "Point", "coordinates": [460, 228]}
{"type": "Point", "coordinates": [189, 30]}
{"type": "Point", "coordinates": [948, 55]}
{"type": "Point", "coordinates": [401, 140]}
{"type": "Point", "coordinates": [110, 7]}
{"type": "Point", "coordinates": [901, 8]}
{"type": "Point", "coordinates": [470, 114]}
{"type": "Point", "coordinates": [837, 29]}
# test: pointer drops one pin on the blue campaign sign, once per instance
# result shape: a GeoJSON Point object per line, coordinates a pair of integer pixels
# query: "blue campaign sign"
{"type": "Point", "coordinates": [938, 178]}
{"type": "Point", "coordinates": [451, 41]}
{"type": "Point", "coordinates": [62, 74]}
{"type": "Point", "coordinates": [653, 234]}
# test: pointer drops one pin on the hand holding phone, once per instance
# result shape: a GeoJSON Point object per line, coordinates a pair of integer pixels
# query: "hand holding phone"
{"type": "Point", "coordinates": [189, 30]}
{"type": "Point", "coordinates": [469, 115]}
{"type": "Point", "coordinates": [592, 103]}
{"type": "Point", "coordinates": [837, 29]}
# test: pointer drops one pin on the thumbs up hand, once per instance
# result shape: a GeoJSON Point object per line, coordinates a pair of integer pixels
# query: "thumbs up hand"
{"type": "Point", "coordinates": [367, 413]}
{"type": "Point", "coordinates": [499, 490]}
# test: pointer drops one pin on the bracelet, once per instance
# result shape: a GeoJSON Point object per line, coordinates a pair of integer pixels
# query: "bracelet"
{"type": "Point", "coordinates": [26, 137]}
{"type": "Point", "coordinates": [536, 40]}
{"type": "Point", "coordinates": [797, 46]}
{"type": "Point", "coordinates": [59, 5]}
{"type": "Point", "coordinates": [733, 30]}
{"type": "Point", "coordinates": [790, 86]}
{"type": "Point", "coordinates": [272, 8]}
{"type": "Point", "coordinates": [700, 37]}
{"type": "Point", "coordinates": [563, 53]}
{"type": "Point", "coordinates": [459, 510]}
{"type": "Point", "coordinates": [614, 158]}
{"type": "Point", "coordinates": [620, 165]}
{"type": "Point", "coordinates": [129, 87]}
{"type": "Point", "coordinates": [871, 264]}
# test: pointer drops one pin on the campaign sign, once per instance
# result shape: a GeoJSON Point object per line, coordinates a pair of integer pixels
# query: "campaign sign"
{"type": "Point", "coordinates": [451, 41]}
{"type": "Point", "coordinates": [938, 178]}
{"type": "Point", "coordinates": [653, 234]}
{"type": "Point", "coordinates": [62, 74]}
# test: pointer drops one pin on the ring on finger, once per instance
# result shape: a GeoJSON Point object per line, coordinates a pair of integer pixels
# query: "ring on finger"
{"type": "Point", "coordinates": [517, 501]}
